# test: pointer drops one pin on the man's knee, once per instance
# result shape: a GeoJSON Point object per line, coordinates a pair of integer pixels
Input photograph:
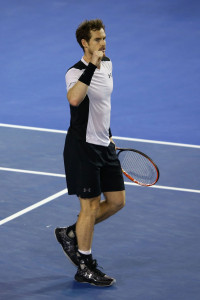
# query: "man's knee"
{"type": "Point", "coordinates": [116, 199]}
{"type": "Point", "coordinates": [90, 206]}
{"type": "Point", "coordinates": [120, 202]}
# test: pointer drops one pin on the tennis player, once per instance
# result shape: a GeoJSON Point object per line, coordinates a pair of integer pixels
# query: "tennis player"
{"type": "Point", "coordinates": [91, 164]}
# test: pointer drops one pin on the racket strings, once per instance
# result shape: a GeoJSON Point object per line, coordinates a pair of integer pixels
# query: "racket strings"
{"type": "Point", "coordinates": [138, 167]}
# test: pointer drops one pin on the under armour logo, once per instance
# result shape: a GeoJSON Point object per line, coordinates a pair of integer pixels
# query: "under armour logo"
{"type": "Point", "coordinates": [85, 190]}
{"type": "Point", "coordinates": [110, 75]}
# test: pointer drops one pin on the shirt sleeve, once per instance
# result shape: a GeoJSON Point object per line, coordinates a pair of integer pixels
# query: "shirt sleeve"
{"type": "Point", "coordinates": [72, 77]}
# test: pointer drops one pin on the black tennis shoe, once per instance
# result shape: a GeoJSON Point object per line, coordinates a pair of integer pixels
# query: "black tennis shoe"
{"type": "Point", "coordinates": [87, 273]}
{"type": "Point", "coordinates": [68, 244]}
{"type": "Point", "coordinates": [94, 266]}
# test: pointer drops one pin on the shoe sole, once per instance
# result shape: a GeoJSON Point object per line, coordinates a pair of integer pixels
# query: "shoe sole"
{"type": "Point", "coordinates": [99, 285]}
{"type": "Point", "coordinates": [58, 239]}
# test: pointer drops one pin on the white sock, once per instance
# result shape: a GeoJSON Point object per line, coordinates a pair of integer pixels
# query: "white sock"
{"type": "Point", "coordinates": [88, 252]}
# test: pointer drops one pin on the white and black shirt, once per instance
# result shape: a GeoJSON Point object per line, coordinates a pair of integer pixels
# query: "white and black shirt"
{"type": "Point", "coordinates": [90, 121]}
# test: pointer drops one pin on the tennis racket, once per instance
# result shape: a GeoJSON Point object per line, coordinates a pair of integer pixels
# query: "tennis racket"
{"type": "Point", "coordinates": [138, 167]}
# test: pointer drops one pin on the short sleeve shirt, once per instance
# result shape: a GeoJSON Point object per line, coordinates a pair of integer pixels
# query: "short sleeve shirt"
{"type": "Point", "coordinates": [90, 121]}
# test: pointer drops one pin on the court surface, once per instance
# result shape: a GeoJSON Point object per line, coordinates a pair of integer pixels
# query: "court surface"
{"type": "Point", "coordinates": [151, 246]}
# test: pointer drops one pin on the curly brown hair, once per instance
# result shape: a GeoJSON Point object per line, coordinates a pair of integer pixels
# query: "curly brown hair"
{"type": "Point", "coordinates": [84, 30]}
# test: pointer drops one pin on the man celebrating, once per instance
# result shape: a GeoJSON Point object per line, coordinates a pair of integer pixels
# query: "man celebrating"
{"type": "Point", "coordinates": [90, 159]}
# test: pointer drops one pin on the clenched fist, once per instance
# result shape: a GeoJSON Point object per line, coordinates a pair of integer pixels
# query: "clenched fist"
{"type": "Point", "coordinates": [97, 57]}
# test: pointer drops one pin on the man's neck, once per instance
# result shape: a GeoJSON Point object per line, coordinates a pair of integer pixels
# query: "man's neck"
{"type": "Point", "coordinates": [87, 58]}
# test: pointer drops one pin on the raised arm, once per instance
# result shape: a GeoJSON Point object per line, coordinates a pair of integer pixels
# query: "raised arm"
{"type": "Point", "coordinates": [78, 92]}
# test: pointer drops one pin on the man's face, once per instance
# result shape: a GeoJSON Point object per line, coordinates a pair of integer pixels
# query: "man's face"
{"type": "Point", "coordinates": [97, 41]}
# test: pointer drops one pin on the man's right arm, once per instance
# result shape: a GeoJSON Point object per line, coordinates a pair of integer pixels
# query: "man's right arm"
{"type": "Point", "coordinates": [77, 93]}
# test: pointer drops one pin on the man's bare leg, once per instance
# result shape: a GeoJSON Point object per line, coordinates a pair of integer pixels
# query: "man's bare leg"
{"type": "Point", "coordinates": [114, 201]}
{"type": "Point", "coordinates": [87, 270]}
{"type": "Point", "coordinates": [86, 221]}
{"type": "Point", "coordinates": [92, 212]}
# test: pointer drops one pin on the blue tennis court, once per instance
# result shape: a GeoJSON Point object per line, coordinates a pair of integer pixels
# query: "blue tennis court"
{"type": "Point", "coordinates": [151, 246]}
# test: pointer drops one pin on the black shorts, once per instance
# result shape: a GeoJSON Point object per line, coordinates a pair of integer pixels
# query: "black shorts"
{"type": "Point", "coordinates": [91, 169]}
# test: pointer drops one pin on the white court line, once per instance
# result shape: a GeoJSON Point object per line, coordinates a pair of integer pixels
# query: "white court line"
{"type": "Point", "coordinates": [127, 183]}
{"type": "Point", "coordinates": [162, 187]}
{"type": "Point", "coordinates": [29, 208]}
{"type": "Point", "coordinates": [156, 142]}
{"type": "Point", "coordinates": [32, 128]}
{"type": "Point", "coordinates": [114, 137]}
{"type": "Point", "coordinates": [31, 172]}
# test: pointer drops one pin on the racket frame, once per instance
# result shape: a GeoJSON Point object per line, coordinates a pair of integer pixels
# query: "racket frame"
{"type": "Point", "coordinates": [146, 156]}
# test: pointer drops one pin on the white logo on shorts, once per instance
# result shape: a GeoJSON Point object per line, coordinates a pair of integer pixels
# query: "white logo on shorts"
{"type": "Point", "coordinates": [85, 190]}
